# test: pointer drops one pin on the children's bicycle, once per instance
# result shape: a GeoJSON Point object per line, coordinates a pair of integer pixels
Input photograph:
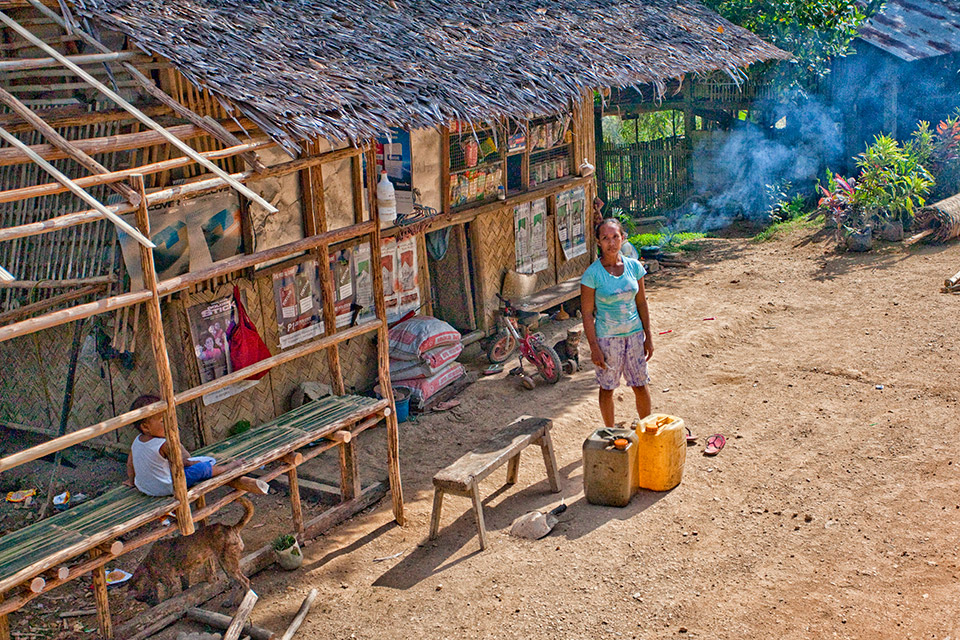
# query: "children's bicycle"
{"type": "Point", "coordinates": [513, 332]}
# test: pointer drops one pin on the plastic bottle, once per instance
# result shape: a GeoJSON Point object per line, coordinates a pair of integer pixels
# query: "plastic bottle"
{"type": "Point", "coordinates": [661, 452]}
{"type": "Point", "coordinates": [386, 200]}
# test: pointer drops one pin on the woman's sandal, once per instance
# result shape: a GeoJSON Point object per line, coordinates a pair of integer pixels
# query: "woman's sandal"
{"type": "Point", "coordinates": [714, 444]}
{"type": "Point", "coordinates": [691, 439]}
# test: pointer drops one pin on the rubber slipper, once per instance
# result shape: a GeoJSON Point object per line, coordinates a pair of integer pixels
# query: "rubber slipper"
{"type": "Point", "coordinates": [690, 437]}
{"type": "Point", "coordinates": [714, 444]}
{"type": "Point", "coordinates": [492, 369]}
{"type": "Point", "coordinates": [446, 404]}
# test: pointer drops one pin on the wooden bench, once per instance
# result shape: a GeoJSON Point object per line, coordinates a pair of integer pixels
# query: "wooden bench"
{"type": "Point", "coordinates": [41, 550]}
{"type": "Point", "coordinates": [463, 477]}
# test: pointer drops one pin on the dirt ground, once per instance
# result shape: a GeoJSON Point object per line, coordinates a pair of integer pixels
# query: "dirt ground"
{"type": "Point", "coordinates": [831, 512]}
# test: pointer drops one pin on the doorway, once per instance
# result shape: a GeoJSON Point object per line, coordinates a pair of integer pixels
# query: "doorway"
{"type": "Point", "coordinates": [451, 287]}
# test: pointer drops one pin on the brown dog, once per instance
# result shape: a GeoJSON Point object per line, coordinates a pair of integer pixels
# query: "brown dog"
{"type": "Point", "coordinates": [177, 557]}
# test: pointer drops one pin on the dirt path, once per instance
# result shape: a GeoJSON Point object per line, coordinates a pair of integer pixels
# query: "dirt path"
{"type": "Point", "coordinates": [831, 512]}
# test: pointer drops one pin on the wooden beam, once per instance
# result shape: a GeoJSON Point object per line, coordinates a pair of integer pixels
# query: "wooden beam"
{"type": "Point", "coordinates": [243, 612]}
{"type": "Point", "coordinates": [80, 193]}
{"type": "Point", "coordinates": [250, 485]}
{"type": "Point", "coordinates": [62, 143]}
{"type": "Point", "coordinates": [221, 621]}
{"type": "Point", "coordinates": [73, 116]}
{"type": "Point", "coordinates": [67, 283]}
{"type": "Point", "coordinates": [139, 115]}
{"type": "Point", "coordinates": [158, 343]}
{"type": "Point", "coordinates": [301, 615]}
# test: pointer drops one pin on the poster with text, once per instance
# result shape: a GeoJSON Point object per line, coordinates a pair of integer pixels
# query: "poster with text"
{"type": "Point", "coordinates": [394, 157]}
{"type": "Point", "coordinates": [297, 296]}
{"type": "Point", "coordinates": [521, 237]}
{"type": "Point", "coordinates": [391, 287]}
{"type": "Point", "coordinates": [363, 282]}
{"type": "Point", "coordinates": [210, 324]}
{"type": "Point", "coordinates": [341, 269]}
{"type": "Point", "coordinates": [571, 225]}
{"type": "Point", "coordinates": [538, 235]}
{"type": "Point", "coordinates": [407, 276]}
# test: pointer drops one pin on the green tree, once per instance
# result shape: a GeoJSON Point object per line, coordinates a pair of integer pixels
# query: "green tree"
{"type": "Point", "coordinates": [814, 31]}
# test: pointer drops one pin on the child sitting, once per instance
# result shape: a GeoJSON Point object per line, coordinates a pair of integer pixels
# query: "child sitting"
{"type": "Point", "coordinates": [148, 466]}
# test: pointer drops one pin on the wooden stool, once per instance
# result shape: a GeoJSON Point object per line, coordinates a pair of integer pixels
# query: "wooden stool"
{"type": "Point", "coordinates": [463, 477]}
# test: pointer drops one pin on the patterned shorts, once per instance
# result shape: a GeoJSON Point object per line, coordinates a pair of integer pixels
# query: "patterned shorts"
{"type": "Point", "coordinates": [624, 357]}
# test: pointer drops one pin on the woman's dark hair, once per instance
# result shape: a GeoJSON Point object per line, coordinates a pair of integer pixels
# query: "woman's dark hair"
{"type": "Point", "coordinates": [596, 230]}
{"type": "Point", "coordinates": [141, 402]}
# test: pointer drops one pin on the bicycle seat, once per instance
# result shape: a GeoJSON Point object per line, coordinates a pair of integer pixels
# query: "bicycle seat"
{"type": "Point", "coordinates": [528, 318]}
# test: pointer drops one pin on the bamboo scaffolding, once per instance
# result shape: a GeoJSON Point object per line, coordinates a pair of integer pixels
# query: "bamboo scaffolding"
{"type": "Point", "coordinates": [168, 195]}
{"type": "Point", "coordinates": [66, 283]}
{"type": "Point", "coordinates": [80, 193]}
{"type": "Point", "coordinates": [102, 88]}
{"type": "Point", "coordinates": [86, 59]}
{"type": "Point", "coordinates": [52, 188]}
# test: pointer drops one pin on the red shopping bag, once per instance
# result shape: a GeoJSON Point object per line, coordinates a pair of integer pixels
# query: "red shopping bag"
{"type": "Point", "coordinates": [246, 345]}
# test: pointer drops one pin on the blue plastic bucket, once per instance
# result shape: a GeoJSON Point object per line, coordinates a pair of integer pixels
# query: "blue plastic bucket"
{"type": "Point", "coordinates": [401, 401]}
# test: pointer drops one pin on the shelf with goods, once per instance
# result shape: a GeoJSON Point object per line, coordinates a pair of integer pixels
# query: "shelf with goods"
{"type": "Point", "coordinates": [550, 164]}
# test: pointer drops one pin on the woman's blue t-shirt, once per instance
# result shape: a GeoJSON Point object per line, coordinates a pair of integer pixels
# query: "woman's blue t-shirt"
{"type": "Point", "coordinates": [616, 297]}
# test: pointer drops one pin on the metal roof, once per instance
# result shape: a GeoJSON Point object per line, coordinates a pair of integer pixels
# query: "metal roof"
{"type": "Point", "coordinates": [915, 29]}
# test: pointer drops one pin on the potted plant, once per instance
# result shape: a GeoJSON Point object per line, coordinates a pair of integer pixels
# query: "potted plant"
{"type": "Point", "coordinates": [288, 552]}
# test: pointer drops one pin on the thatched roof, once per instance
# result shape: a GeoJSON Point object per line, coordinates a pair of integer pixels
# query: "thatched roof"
{"type": "Point", "coordinates": [351, 68]}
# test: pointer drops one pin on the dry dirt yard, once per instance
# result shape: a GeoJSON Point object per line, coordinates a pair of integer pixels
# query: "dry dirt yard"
{"type": "Point", "coordinates": [831, 512]}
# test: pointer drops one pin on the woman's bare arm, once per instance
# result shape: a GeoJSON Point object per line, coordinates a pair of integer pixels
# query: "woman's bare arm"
{"type": "Point", "coordinates": [587, 307]}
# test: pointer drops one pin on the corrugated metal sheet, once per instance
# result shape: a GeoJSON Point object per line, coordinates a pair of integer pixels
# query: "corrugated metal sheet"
{"type": "Point", "coordinates": [915, 29]}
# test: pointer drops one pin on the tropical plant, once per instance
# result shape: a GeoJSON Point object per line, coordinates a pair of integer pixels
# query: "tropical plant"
{"type": "Point", "coordinates": [837, 203]}
{"type": "Point", "coordinates": [893, 181]}
{"type": "Point", "coordinates": [284, 541]}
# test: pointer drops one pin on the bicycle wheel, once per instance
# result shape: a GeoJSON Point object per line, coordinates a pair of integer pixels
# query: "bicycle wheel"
{"type": "Point", "coordinates": [502, 346]}
{"type": "Point", "coordinates": [547, 362]}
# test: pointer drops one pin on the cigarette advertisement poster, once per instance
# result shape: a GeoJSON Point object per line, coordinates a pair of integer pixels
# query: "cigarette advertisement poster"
{"type": "Point", "coordinates": [298, 299]}
{"type": "Point", "coordinates": [210, 324]}
{"type": "Point", "coordinates": [363, 281]}
{"type": "Point", "coordinates": [394, 157]}
{"type": "Point", "coordinates": [190, 235]}
{"type": "Point", "coordinates": [401, 288]}
{"type": "Point", "coordinates": [530, 236]}
{"type": "Point", "coordinates": [571, 207]}
{"type": "Point", "coordinates": [341, 268]}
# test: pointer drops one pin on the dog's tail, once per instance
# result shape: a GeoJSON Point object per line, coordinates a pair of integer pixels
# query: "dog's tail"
{"type": "Point", "coordinates": [247, 513]}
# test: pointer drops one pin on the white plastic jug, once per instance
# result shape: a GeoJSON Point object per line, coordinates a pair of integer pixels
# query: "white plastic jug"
{"type": "Point", "coordinates": [386, 200]}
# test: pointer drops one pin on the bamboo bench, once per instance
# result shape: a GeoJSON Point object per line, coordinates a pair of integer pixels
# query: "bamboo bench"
{"type": "Point", "coordinates": [463, 476]}
{"type": "Point", "coordinates": [41, 549]}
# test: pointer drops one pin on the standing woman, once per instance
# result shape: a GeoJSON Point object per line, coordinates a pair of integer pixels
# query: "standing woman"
{"type": "Point", "coordinates": [616, 320]}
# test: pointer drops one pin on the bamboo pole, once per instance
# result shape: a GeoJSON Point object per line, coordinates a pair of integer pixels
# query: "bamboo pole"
{"type": "Point", "coordinates": [62, 143]}
{"type": "Point", "coordinates": [167, 195]}
{"type": "Point", "coordinates": [71, 117]}
{"type": "Point", "coordinates": [139, 115]}
{"type": "Point", "coordinates": [88, 58]}
{"type": "Point", "coordinates": [164, 375]}
{"type": "Point", "coordinates": [301, 615]}
{"type": "Point", "coordinates": [383, 354]}
{"type": "Point", "coordinates": [6, 276]}
{"type": "Point", "coordinates": [80, 193]}
{"type": "Point", "coordinates": [67, 283]}
{"type": "Point", "coordinates": [178, 283]}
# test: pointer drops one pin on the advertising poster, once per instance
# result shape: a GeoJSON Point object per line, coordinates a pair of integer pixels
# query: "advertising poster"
{"type": "Point", "coordinates": [342, 271]}
{"type": "Point", "coordinates": [408, 279]}
{"type": "Point", "coordinates": [571, 224]}
{"type": "Point", "coordinates": [190, 235]}
{"type": "Point", "coordinates": [521, 237]}
{"type": "Point", "coordinates": [391, 285]}
{"type": "Point", "coordinates": [394, 156]}
{"type": "Point", "coordinates": [210, 324]}
{"type": "Point", "coordinates": [363, 281]}
{"type": "Point", "coordinates": [297, 296]}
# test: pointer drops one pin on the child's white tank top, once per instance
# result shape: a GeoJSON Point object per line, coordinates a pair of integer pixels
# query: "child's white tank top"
{"type": "Point", "coordinates": [152, 471]}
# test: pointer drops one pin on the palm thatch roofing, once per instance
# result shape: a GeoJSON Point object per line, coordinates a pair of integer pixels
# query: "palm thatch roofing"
{"type": "Point", "coordinates": [351, 68]}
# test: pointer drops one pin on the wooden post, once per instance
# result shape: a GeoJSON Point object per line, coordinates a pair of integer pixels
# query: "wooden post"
{"type": "Point", "coordinates": [4, 624]}
{"type": "Point", "coordinates": [445, 204]}
{"type": "Point", "coordinates": [296, 509]}
{"type": "Point", "coordinates": [349, 472]}
{"type": "Point", "coordinates": [164, 374]}
{"type": "Point", "coordinates": [383, 354]}
{"type": "Point", "coordinates": [99, 575]}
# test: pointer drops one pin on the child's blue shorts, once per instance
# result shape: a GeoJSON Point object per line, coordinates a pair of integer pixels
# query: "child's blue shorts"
{"type": "Point", "coordinates": [197, 472]}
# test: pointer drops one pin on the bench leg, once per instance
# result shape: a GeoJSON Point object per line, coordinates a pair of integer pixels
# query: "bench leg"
{"type": "Point", "coordinates": [550, 461]}
{"type": "Point", "coordinates": [296, 508]}
{"type": "Point", "coordinates": [478, 510]}
{"type": "Point", "coordinates": [513, 469]}
{"type": "Point", "coordinates": [100, 594]}
{"type": "Point", "coordinates": [435, 516]}
{"type": "Point", "coordinates": [349, 472]}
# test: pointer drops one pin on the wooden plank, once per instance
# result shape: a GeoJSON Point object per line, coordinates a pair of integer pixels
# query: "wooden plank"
{"type": "Point", "coordinates": [221, 621]}
{"type": "Point", "coordinates": [240, 618]}
{"type": "Point", "coordinates": [473, 467]}
{"type": "Point", "coordinates": [162, 362]}
{"type": "Point", "coordinates": [551, 296]}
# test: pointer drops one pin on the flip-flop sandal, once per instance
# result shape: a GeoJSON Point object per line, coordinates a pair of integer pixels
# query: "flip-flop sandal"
{"type": "Point", "coordinates": [492, 369]}
{"type": "Point", "coordinates": [714, 444]}
{"type": "Point", "coordinates": [691, 439]}
{"type": "Point", "coordinates": [446, 404]}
